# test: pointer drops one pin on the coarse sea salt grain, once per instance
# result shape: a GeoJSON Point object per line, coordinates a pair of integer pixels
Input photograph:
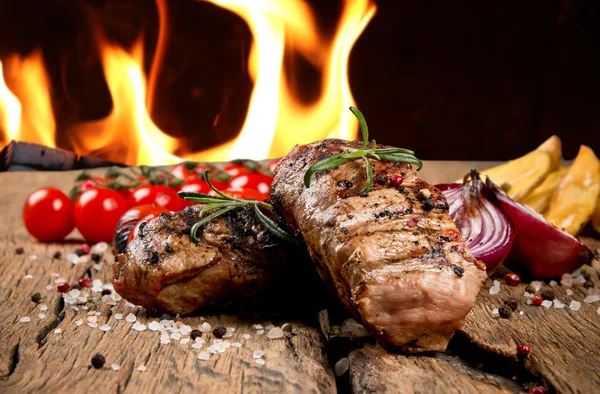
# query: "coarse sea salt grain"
{"type": "Point", "coordinates": [494, 290]}
{"type": "Point", "coordinates": [537, 284]}
{"type": "Point", "coordinates": [93, 325]}
{"type": "Point", "coordinates": [230, 329]}
{"type": "Point", "coordinates": [260, 361]}
{"type": "Point", "coordinates": [55, 274]}
{"type": "Point", "coordinates": [185, 340]}
{"type": "Point", "coordinates": [92, 319]}
{"type": "Point", "coordinates": [43, 307]}
{"type": "Point", "coordinates": [495, 312]}
{"type": "Point", "coordinates": [275, 333]}
{"type": "Point", "coordinates": [105, 327]}
{"type": "Point", "coordinates": [205, 356]}
{"type": "Point", "coordinates": [553, 283]}
{"type": "Point", "coordinates": [197, 345]}
{"type": "Point", "coordinates": [176, 336]}
{"type": "Point", "coordinates": [558, 304]}
{"type": "Point", "coordinates": [260, 332]}
{"type": "Point", "coordinates": [33, 257]}
{"type": "Point", "coordinates": [200, 340]}
{"type": "Point", "coordinates": [49, 287]}
{"type": "Point", "coordinates": [569, 292]}
{"type": "Point", "coordinates": [547, 303]}
{"type": "Point", "coordinates": [28, 277]}
{"type": "Point", "coordinates": [591, 298]}
{"type": "Point", "coordinates": [115, 367]}
{"type": "Point", "coordinates": [25, 319]}
{"type": "Point", "coordinates": [246, 336]}
{"type": "Point", "coordinates": [164, 339]}
{"type": "Point", "coordinates": [72, 258]}
{"type": "Point", "coordinates": [131, 318]}
{"type": "Point", "coordinates": [155, 326]}
{"type": "Point", "coordinates": [139, 326]}
{"type": "Point", "coordinates": [575, 305]}
{"type": "Point", "coordinates": [57, 331]}
{"type": "Point", "coordinates": [185, 329]}
{"type": "Point", "coordinates": [79, 322]}
{"type": "Point", "coordinates": [236, 344]}
{"type": "Point", "coordinates": [141, 368]}
{"type": "Point", "coordinates": [100, 247]}
{"type": "Point", "coordinates": [598, 311]}
{"type": "Point", "coordinates": [269, 327]}
{"type": "Point", "coordinates": [118, 316]}
{"type": "Point", "coordinates": [228, 335]}
{"type": "Point", "coordinates": [521, 313]}
{"type": "Point", "coordinates": [257, 327]}
{"type": "Point", "coordinates": [42, 315]}
{"type": "Point", "coordinates": [258, 354]}
{"type": "Point", "coordinates": [566, 280]}
{"type": "Point", "coordinates": [204, 327]}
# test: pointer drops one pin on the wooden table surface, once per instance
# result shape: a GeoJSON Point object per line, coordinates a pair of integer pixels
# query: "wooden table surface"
{"type": "Point", "coordinates": [53, 352]}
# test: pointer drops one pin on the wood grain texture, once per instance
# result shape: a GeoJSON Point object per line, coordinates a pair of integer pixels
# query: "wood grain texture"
{"type": "Point", "coordinates": [35, 359]}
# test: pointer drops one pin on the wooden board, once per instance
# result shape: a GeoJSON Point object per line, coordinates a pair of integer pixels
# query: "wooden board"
{"type": "Point", "coordinates": [33, 358]}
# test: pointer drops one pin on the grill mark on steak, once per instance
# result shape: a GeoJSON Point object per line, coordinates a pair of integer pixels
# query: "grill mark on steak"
{"type": "Point", "coordinates": [394, 257]}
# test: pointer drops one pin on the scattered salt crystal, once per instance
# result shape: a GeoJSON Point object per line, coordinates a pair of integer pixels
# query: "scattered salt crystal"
{"type": "Point", "coordinates": [226, 344]}
{"type": "Point", "coordinates": [33, 257]}
{"type": "Point", "coordinates": [230, 329]}
{"type": "Point", "coordinates": [43, 307]}
{"type": "Point", "coordinates": [176, 336]}
{"type": "Point", "coordinates": [342, 366]}
{"type": "Point", "coordinates": [529, 301]}
{"type": "Point", "coordinates": [537, 284]}
{"type": "Point", "coordinates": [72, 257]}
{"type": "Point", "coordinates": [164, 339]}
{"type": "Point", "coordinates": [569, 292]}
{"type": "Point", "coordinates": [495, 312]}
{"type": "Point", "coordinates": [496, 283]}
{"type": "Point", "coordinates": [131, 318]}
{"type": "Point", "coordinates": [494, 290]}
{"type": "Point", "coordinates": [100, 247]}
{"type": "Point", "coordinates": [205, 356]}
{"type": "Point", "coordinates": [246, 336]}
{"type": "Point", "coordinates": [218, 341]}
{"type": "Point", "coordinates": [90, 313]}
{"type": "Point", "coordinates": [49, 287]}
{"type": "Point", "coordinates": [260, 332]}
{"type": "Point", "coordinates": [575, 305]}
{"type": "Point", "coordinates": [260, 361]}
{"type": "Point", "coordinates": [566, 280]}
{"type": "Point", "coordinates": [553, 283]}
{"type": "Point", "coordinates": [521, 313]}
{"type": "Point", "coordinates": [185, 340]}
{"type": "Point", "coordinates": [79, 322]}
{"type": "Point", "coordinates": [598, 311]}
{"type": "Point", "coordinates": [275, 333]}
{"type": "Point", "coordinates": [119, 316]}
{"type": "Point", "coordinates": [558, 304]}
{"type": "Point", "coordinates": [93, 325]}
{"type": "Point", "coordinates": [57, 331]}
{"type": "Point", "coordinates": [202, 318]}
{"type": "Point", "coordinates": [200, 340]}
{"type": "Point", "coordinates": [55, 274]}
{"type": "Point", "coordinates": [92, 319]}
{"type": "Point", "coordinates": [528, 295]}
{"type": "Point", "coordinates": [42, 315]}
{"type": "Point", "coordinates": [129, 305]}
{"type": "Point", "coordinates": [115, 367]}
{"type": "Point", "coordinates": [59, 280]}
{"type": "Point", "coordinates": [139, 326]}
{"type": "Point", "coordinates": [155, 326]}
{"type": "Point", "coordinates": [141, 368]}
{"type": "Point", "coordinates": [236, 344]}
{"type": "Point", "coordinates": [591, 298]}
{"type": "Point", "coordinates": [105, 327]}
{"type": "Point", "coordinates": [75, 308]}
{"type": "Point", "coordinates": [258, 354]}
{"type": "Point", "coordinates": [96, 267]}
{"type": "Point", "coordinates": [25, 319]}
{"type": "Point", "coordinates": [579, 280]}
{"type": "Point", "coordinates": [197, 345]}
{"type": "Point", "coordinates": [204, 327]}
{"type": "Point", "coordinates": [28, 277]}
{"type": "Point", "coordinates": [257, 327]}
{"type": "Point", "coordinates": [576, 273]}
{"type": "Point", "coordinates": [185, 329]}
{"type": "Point", "coordinates": [109, 299]}
{"type": "Point", "coordinates": [269, 327]}
{"type": "Point", "coordinates": [547, 303]}
{"type": "Point", "coordinates": [228, 335]}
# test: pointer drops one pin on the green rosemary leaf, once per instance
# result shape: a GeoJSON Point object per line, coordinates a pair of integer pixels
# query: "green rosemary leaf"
{"type": "Point", "coordinates": [364, 129]}
{"type": "Point", "coordinates": [207, 219]}
{"type": "Point", "coordinates": [214, 188]}
{"type": "Point", "coordinates": [323, 165]}
{"type": "Point", "coordinates": [272, 227]}
{"type": "Point", "coordinates": [395, 150]}
{"type": "Point", "coordinates": [210, 207]}
{"type": "Point", "coordinates": [369, 184]}
{"type": "Point", "coordinates": [401, 158]}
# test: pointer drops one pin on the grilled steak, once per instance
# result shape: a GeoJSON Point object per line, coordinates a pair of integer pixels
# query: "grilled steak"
{"type": "Point", "coordinates": [393, 256]}
{"type": "Point", "coordinates": [236, 259]}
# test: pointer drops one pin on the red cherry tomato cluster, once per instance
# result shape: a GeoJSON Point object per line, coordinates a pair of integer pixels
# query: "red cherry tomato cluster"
{"type": "Point", "coordinates": [97, 203]}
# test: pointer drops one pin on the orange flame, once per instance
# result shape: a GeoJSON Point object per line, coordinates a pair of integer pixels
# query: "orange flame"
{"type": "Point", "coordinates": [26, 109]}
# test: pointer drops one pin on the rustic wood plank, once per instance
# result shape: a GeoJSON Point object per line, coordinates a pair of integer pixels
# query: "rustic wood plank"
{"type": "Point", "coordinates": [33, 358]}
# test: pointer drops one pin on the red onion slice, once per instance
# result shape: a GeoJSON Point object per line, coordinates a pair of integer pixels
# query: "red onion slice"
{"type": "Point", "coordinates": [545, 250]}
{"type": "Point", "coordinates": [487, 230]}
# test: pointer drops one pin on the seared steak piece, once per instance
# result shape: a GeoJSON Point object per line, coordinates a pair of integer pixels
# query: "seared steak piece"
{"type": "Point", "coordinates": [236, 259]}
{"type": "Point", "coordinates": [393, 257]}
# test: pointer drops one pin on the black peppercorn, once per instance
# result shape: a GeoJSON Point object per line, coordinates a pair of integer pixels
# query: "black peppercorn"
{"type": "Point", "coordinates": [96, 257]}
{"type": "Point", "coordinates": [117, 258]}
{"type": "Point", "coordinates": [195, 334]}
{"type": "Point", "coordinates": [36, 297]}
{"type": "Point", "coordinates": [588, 284]}
{"type": "Point", "coordinates": [512, 303]}
{"type": "Point", "coordinates": [168, 249]}
{"type": "Point", "coordinates": [57, 254]}
{"type": "Point", "coordinates": [141, 229]}
{"type": "Point", "coordinates": [505, 311]}
{"type": "Point", "coordinates": [154, 257]}
{"type": "Point", "coordinates": [98, 360]}
{"type": "Point", "coordinates": [106, 292]}
{"type": "Point", "coordinates": [363, 194]}
{"type": "Point", "coordinates": [548, 295]}
{"type": "Point", "coordinates": [345, 184]}
{"type": "Point", "coordinates": [219, 331]}
{"type": "Point", "coordinates": [428, 205]}
{"type": "Point", "coordinates": [79, 252]}
{"type": "Point", "coordinates": [19, 250]}
{"type": "Point", "coordinates": [381, 179]}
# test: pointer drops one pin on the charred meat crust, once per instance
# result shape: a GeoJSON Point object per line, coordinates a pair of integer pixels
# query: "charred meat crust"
{"type": "Point", "coordinates": [393, 256]}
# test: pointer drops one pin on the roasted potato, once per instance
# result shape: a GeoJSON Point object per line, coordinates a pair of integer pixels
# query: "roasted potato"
{"type": "Point", "coordinates": [596, 217]}
{"type": "Point", "coordinates": [575, 199]}
{"type": "Point", "coordinates": [553, 147]}
{"type": "Point", "coordinates": [539, 198]}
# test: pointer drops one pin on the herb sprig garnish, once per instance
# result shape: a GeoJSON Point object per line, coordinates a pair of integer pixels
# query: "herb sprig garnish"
{"type": "Point", "coordinates": [397, 155]}
{"type": "Point", "coordinates": [222, 203]}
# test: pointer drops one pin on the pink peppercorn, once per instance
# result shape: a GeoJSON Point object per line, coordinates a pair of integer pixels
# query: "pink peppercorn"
{"type": "Point", "coordinates": [396, 180]}
{"type": "Point", "coordinates": [537, 300]}
{"type": "Point", "coordinates": [63, 287]}
{"type": "Point", "coordinates": [85, 248]}
{"type": "Point", "coordinates": [523, 349]}
{"type": "Point", "coordinates": [85, 282]}
{"type": "Point", "coordinates": [512, 279]}
{"type": "Point", "coordinates": [537, 390]}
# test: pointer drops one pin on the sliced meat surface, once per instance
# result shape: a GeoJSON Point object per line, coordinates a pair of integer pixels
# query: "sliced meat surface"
{"type": "Point", "coordinates": [393, 256]}
{"type": "Point", "coordinates": [236, 258]}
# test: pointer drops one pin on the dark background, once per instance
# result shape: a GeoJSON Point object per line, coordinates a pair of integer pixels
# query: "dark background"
{"type": "Point", "coordinates": [461, 79]}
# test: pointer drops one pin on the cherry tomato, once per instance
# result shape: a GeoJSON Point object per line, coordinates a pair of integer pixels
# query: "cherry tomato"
{"type": "Point", "coordinates": [243, 193]}
{"type": "Point", "coordinates": [254, 180]}
{"type": "Point", "coordinates": [136, 230]}
{"type": "Point", "coordinates": [97, 212]}
{"type": "Point", "coordinates": [236, 169]}
{"type": "Point", "coordinates": [272, 164]}
{"type": "Point", "coordinates": [188, 170]}
{"type": "Point", "coordinates": [128, 221]}
{"type": "Point", "coordinates": [48, 214]}
{"type": "Point", "coordinates": [161, 196]}
{"type": "Point", "coordinates": [199, 186]}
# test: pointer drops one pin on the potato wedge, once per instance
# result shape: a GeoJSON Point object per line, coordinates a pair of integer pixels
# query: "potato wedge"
{"type": "Point", "coordinates": [575, 199]}
{"type": "Point", "coordinates": [539, 198]}
{"type": "Point", "coordinates": [520, 176]}
{"type": "Point", "coordinates": [596, 217]}
{"type": "Point", "coordinates": [553, 147]}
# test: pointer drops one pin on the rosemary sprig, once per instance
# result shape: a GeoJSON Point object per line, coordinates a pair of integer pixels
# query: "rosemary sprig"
{"type": "Point", "coordinates": [222, 203]}
{"type": "Point", "coordinates": [397, 155]}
